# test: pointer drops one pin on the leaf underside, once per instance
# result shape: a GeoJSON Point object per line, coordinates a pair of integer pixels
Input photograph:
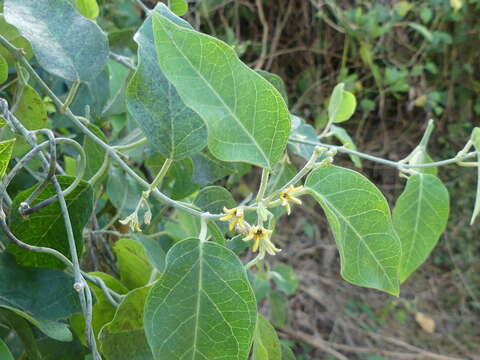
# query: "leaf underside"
{"type": "Point", "coordinates": [420, 216]}
{"type": "Point", "coordinates": [361, 223]}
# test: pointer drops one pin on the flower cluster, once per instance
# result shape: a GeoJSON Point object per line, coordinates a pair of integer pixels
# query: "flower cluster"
{"type": "Point", "coordinates": [259, 235]}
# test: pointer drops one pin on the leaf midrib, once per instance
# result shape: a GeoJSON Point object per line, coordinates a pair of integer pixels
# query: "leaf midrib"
{"type": "Point", "coordinates": [417, 219]}
{"type": "Point", "coordinates": [338, 214]}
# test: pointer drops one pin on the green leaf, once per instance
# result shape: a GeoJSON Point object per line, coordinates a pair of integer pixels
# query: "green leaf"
{"type": "Point", "coordinates": [266, 345]}
{"type": "Point", "coordinates": [94, 153]}
{"type": "Point", "coordinates": [276, 81]}
{"type": "Point", "coordinates": [342, 136]}
{"type": "Point", "coordinates": [179, 7]}
{"type": "Point", "coordinates": [422, 30]}
{"type": "Point", "coordinates": [475, 138]}
{"type": "Point", "coordinates": [103, 311]}
{"type": "Point", "coordinates": [3, 122]}
{"type": "Point", "coordinates": [133, 263]}
{"type": "Point", "coordinates": [3, 69]}
{"type": "Point", "coordinates": [10, 33]}
{"type": "Point", "coordinates": [285, 278]}
{"type": "Point", "coordinates": [153, 250]}
{"type": "Point", "coordinates": [213, 199]}
{"type": "Point", "coordinates": [335, 101]}
{"type": "Point", "coordinates": [287, 353]}
{"type": "Point", "coordinates": [347, 107]}
{"type": "Point", "coordinates": [403, 7]}
{"type": "Point", "coordinates": [236, 244]}
{"type": "Point", "coordinates": [23, 331]}
{"type": "Point", "coordinates": [361, 223]}
{"type": "Point", "coordinates": [5, 354]}
{"type": "Point", "coordinates": [420, 216]}
{"type": "Point", "coordinates": [56, 350]}
{"type": "Point", "coordinates": [46, 226]}
{"type": "Point", "coordinates": [123, 191]}
{"type": "Point", "coordinates": [31, 111]}
{"type": "Point", "coordinates": [209, 169]}
{"type": "Point", "coordinates": [124, 337]}
{"type": "Point", "coordinates": [278, 308]}
{"type": "Point", "coordinates": [302, 131]}
{"type": "Point", "coordinates": [75, 53]}
{"type": "Point", "coordinates": [202, 307]}
{"type": "Point", "coordinates": [88, 8]}
{"type": "Point", "coordinates": [31, 293]}
{"type": "Point", "coordinates": [248, 126]}
{"type": "Point", "coordinates": [174, 129]}
{"type": "Point", "coordinates": [259, 284]}
{"type": "Point", "coordinates": [282, 174]}
{"type": "Point", "coordinates": [6, 148]}
{"type": "Point", "coordinates": [94, 93]}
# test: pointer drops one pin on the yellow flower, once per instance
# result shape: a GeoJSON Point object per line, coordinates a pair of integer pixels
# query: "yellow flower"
{"type": "Point", "coordinates": [261, 241]}
{"type": "Point", "coordinates": [286, 197]}
{"type": "Point", "coordinates": [235, 216]}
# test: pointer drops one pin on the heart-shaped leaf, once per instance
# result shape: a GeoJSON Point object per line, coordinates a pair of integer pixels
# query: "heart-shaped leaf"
{"type": "Point", "coordinates": [202, 307]}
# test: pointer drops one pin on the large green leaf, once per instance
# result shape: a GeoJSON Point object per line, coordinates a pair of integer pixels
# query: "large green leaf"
{"type": "Point", "coordinates": [266, 345]}
{"type": "Point", "coordinates": [246, 117]}
{"type": "Point", "coordinates": [42, 296]}
{"type": "Point", "coordinates": [202, 307]}
{"type": "Point", "coordinates": [46, 226]}
{"type": "Point", "coordinates": [64, 42]}
{"type": "Point", "coordinates": [174, 129]}
{"type": "Point", "coordinates": [124, 337]}
{"type": "Point", "coordinates": [361, 223]}
{"type": "Point", "coordinates": [5, 353]}
{"type": "Point", "coordinates": [420, 216]}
